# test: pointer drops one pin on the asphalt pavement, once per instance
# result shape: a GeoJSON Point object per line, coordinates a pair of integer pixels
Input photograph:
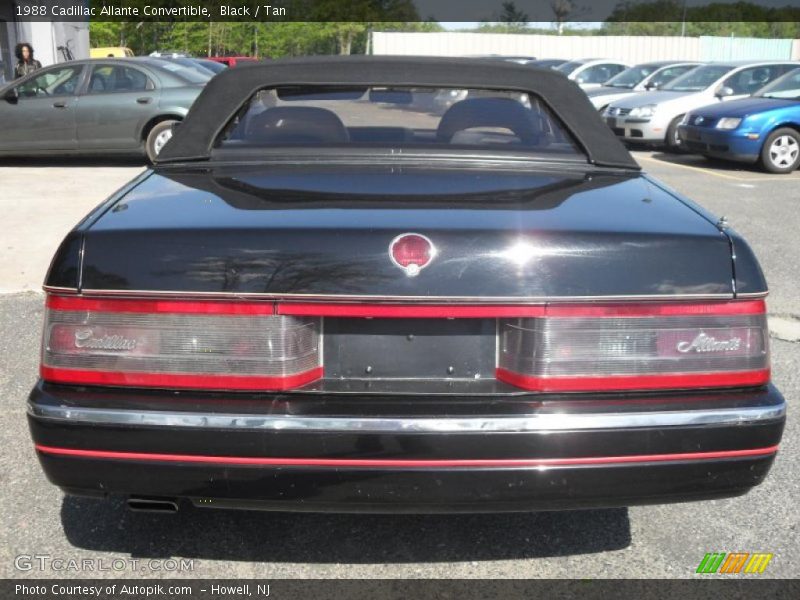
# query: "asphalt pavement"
{"type": "Point", "coordinates": [651, 541]}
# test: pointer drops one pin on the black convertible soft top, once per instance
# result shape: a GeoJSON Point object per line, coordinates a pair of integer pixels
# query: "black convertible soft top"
{"type": "Point", "coordinates": [229, 91]}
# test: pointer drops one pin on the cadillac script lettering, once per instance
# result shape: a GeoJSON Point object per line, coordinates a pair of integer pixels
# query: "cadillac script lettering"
{"type": "Point", "coordinates": [84, 339]}
{"type": "Point", "coordinates": [708, 343]}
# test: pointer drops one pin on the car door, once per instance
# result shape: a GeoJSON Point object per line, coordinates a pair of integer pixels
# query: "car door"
{"type": "Point", "coordinates": [747, 81]}
{"type": "Point", "coordinates": [39, 113]}
{"type": "Point", "coordinates": [117, 101]}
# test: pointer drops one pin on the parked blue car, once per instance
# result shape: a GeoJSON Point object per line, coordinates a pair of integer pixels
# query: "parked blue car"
{"type": "Point", "coordinates": [764, 128]}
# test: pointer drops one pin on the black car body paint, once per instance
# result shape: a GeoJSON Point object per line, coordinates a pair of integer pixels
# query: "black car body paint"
{"type": "Point", "coordinates": [405, 419]}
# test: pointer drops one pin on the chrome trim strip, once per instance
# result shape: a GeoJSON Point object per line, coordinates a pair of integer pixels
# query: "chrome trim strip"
{"type": "Point", "coordinates": [532, 422]}
{"type": "Point", "coordinates": [518, 300]}
{"type": "Point", "coordinates": [753, 295]}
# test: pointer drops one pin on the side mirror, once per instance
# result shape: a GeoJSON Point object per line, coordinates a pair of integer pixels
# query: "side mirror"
{"type": "Point", "coordinates": [724, 92]}
{"type": "Point", "coordinates": [11, 96]}
{"type": "Point", "coordinates": [651, 86]}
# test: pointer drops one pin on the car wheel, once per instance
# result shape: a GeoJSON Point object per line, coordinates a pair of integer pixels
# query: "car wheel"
{"type": "Point", "coordinates": [781, 151]}
{"type": "Point", "coordinates": [674, 143]}
{"type": "Point", "coordinates": [159, 135]}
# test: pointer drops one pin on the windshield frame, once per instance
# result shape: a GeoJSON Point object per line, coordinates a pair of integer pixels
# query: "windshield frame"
{"type": "Point", "coordinates": [762, 93]}
{"type": "Point", "coordinates": [573, 64]}
{"type": "Point", "coordinates": [227, 93]}
{"type": "Point", "coordinates": [179, 71]}
{"type": "Point", "coordinates": [313, 98]}
{"type": "Point", "coordinates": [639, 68]}
{"type": "Point", "coordinates": [671, 86]}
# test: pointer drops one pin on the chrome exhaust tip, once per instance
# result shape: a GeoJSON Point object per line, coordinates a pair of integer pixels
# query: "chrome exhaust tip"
{"type": "Point", "coordinates": [152, 505]}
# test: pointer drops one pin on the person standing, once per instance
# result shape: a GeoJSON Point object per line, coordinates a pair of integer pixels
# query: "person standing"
{"type": "Point", "coordinates": [25, 62]}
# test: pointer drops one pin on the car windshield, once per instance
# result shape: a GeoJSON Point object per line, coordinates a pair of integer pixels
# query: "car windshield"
{"type": "Point", "coordinates": [210, 65]}
{"type": "Point", "coordinates": [191, 64]}
{"type": "Point", "coordinates": [786, 87]}
{"type": "Point", "coordinates": [631, 77]}
{"type": "Point", "coordinates": [551, 63]}
{"type": "Point", "coordinates": [697, 79]}
{"type": "Point", "coordinates": [188, 74]}
{"type": "Point", "coordinates": [397, 118]}
{"type": "Point", "coordinates": [569, 67]}
{"type": "Point", "coordinates": [664, 76]}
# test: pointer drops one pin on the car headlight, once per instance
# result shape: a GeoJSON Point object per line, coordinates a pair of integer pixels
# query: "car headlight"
{"type": "Point", "coordinates": [648, 110]}
{"type": "Point", "coordinates": [728, 123]}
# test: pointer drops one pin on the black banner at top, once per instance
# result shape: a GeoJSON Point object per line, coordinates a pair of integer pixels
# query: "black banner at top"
{"type": "Point", "coordinates": [518, 12]}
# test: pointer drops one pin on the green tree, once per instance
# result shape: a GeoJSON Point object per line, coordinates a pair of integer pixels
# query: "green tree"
{"type": "Point", "coordinates": [564, 11]}
{"type": "Point", "coordinates": [673, 17]}
{"type": "Point", "coordinates": [512, 15]}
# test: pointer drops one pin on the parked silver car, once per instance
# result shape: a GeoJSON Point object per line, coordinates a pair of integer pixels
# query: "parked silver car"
{"type": "Point", "coordinates": [653, 117]}
{"type": "Point", "coordinates": [591, 72]}
{"type": "Point", "coordinates": [638, 78]}
{"type": "Point", "coordinates": [101, 106]}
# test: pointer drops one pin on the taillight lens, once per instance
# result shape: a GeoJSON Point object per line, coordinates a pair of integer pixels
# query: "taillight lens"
{"type": "Point", "coordinates": [170, 344]}
{"type": "Point", "coordinates": [617, 348]}
{"type": "Point", "coordinates": [550, 348]}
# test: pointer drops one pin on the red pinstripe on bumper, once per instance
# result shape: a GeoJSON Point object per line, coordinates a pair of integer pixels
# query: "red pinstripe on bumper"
{"type": "Point", "coordinates": [392, 463]}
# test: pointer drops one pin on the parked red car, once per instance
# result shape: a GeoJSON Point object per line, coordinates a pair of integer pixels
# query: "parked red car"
{"type": "Point", "coordinates": [232, 61]}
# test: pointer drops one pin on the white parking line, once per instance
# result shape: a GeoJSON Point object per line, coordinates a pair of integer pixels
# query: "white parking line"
{"type": "Point", "coordinates": [770, 178]}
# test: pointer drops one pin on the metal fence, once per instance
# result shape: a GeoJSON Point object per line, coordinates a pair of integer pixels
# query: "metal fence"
{"type": "Point", "coordinates": [634, 49]}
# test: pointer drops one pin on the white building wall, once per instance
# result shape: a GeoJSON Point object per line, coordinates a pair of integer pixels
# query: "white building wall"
{"type": "Point", "coordinates": [634, 49]}
{"type": "Point", "coordinates": [46, 37]}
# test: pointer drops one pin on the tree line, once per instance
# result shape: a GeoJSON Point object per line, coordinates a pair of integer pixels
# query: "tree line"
{"type": "Point", "coordinates": [320, 36]}
{"type": "Point", "coordinates": [222, 38]}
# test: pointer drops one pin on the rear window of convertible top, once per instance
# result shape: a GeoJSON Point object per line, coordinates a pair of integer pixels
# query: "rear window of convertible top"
{"type": "Point", "coordinates": [398, 117]}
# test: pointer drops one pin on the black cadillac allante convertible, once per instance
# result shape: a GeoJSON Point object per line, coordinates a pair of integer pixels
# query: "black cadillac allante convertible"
{"type": "Point", "coordinates": [389, 284]}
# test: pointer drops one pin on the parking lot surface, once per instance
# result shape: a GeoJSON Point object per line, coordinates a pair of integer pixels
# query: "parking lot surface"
{"type": "Point", "coordinates": [41, 201]}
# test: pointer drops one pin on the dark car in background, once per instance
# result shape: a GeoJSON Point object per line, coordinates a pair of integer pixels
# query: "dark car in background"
{"type": "Point", "coordinates": [520, 60]}
{"type": "Point", "coordinates": [547, 63]}
{"type": "Point", "coordinates": [124, 106]}
{"type": "Point", "coordinates": [339, 302]}
{"type": "Point", "coordinates": [205, 67]}
{"type": "Point", "coordinates": [763, 129]}
{"type": "Point", "coordinates": [211, 65]}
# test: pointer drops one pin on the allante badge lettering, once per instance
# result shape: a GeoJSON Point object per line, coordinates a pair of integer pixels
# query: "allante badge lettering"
{"type": "Point", "coordinates": [707, 343]}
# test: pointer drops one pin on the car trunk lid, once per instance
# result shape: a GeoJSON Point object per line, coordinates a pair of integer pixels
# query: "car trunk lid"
{"type": "Point", "coordinates": [325, 232]}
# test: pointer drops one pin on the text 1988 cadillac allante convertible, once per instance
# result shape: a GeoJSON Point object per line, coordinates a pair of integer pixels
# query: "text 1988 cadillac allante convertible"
{"type": "Point", "coordinates": [340, 289]}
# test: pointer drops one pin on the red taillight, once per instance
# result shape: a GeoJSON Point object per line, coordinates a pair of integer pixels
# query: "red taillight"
{"type": "Point", "coordinates": [174, 344]}
{"type": "Point", "coordinates": [262, 346]}
{"type": "Point", "coordinates": [636, 347]}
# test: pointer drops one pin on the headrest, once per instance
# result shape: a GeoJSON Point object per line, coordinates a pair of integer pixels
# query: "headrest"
{"type": "Point", "coordinates": [506, 113]}
{"type": "Point", "coordinates": [296, 124]}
